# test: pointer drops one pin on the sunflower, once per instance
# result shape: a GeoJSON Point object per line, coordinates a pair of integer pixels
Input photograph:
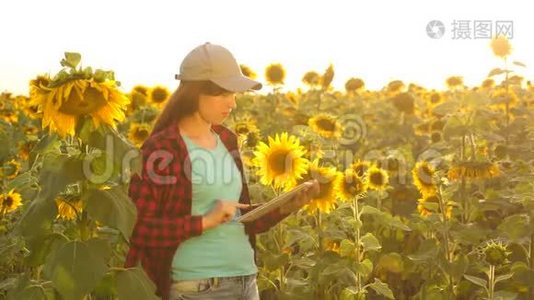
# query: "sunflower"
{"type": "Point", "coordinates": [138, 97]}
{"type": "Point", "coordinates": [138, 133]}
{"type": "Point", "coordinates": [9, 202]}
{"type": "Point", "coordinates": [10, 169]}
{"type": "Point", "coordinates": [488, 83]}
{"type": "Point", "coordinates": [436, 136]}
{"type": "Point", "coordinates": [281, 162]}
{"type": "Point", "coordinates": [435, 98]}
{"type": "Point", "coordinates": [247, 131]}
{"type": "Point", "coordinates": [10, 116]}
{"type": "Point", "coordinates": [350, 185]}
{"type": "Point", "coordinates": [454, 81]}
{"type": "Point", "coordinates": [311, 79]}
{"type": "Point", "coordinates": [327, 178]}
{"type": "Point", "coordinates": [25, 149]}
{"type": "Point", "coordinates": [158, 95]}
{"type": "Point", "coordinates": [68, 209]}
{"type": "Point", "coordinates": [423, 207]}
{"type": "Point", "coordinates": [496, 253]}
{"type": "Point", "coordinates": [473, 170]}
{"type": "Point", "coordinates": [293, 98]}
{"type": "Point", "coordinates": [377, 178]}
{"type": "Point", "coordinates": [275, 74]}
{"type": "Point", "coordinates": [325, 125]}
{"type": "Point", "coordinates": [247, 71]}
{"type": "Point", "coordinates": [361, 167]}
{"type": "Point", "coordinates": [395, 86]}
{"type": "Point", "coordinates": [65, 103]}
{"type": "Point", "coordinates": [404, 102]}
{"type": "Point", "coordinates": [501, 46]}
{"type": "Point", "coordinates": [423, 178]}
{"type": "Point", "coordinates": [354, 84]}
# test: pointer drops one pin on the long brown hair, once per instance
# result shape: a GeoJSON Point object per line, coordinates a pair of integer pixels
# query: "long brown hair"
{"type": "Point", "coordinates": [184, 102]}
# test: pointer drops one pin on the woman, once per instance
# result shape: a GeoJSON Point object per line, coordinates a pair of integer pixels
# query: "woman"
{"type": "Point", "coordinates": [192, 185]}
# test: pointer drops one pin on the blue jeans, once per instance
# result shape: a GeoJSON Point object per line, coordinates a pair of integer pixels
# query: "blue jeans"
{"type": "Point", "coordinates": [220, 288]}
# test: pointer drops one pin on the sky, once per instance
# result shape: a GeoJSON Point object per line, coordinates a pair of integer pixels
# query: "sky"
{"type": "Point", "coordinates": [378, 41]}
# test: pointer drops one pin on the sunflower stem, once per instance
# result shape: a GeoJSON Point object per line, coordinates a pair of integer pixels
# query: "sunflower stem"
{"type": "Point", "coordinates": [507, 104]}
{"type": "Point", "coordinates": [531, 262]}
{"type": "Point", "coordinates": [446, 245]}
{"type": "Point", "coordinates": [491, 282]}
{"type": "Point", "coordinates": [356, 215]}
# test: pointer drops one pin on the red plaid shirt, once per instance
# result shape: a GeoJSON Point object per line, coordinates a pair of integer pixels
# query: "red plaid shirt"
{"type": "Point", "coordinates": [162, 195]}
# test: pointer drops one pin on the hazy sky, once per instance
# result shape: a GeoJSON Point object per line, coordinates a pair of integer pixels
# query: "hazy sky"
{"type": "Point", "coordinates": [145, 41]}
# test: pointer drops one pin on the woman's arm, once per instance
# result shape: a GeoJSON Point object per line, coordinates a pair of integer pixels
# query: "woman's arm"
{"type": "Point", "coordinates": [155, 228]}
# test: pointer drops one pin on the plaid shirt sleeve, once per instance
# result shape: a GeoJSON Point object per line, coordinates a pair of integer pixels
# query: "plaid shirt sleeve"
{"type": "Point", "coordinates": [156, 227]}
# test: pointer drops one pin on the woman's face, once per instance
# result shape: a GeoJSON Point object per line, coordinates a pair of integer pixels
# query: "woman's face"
{"type": "Point", "coordinates": [215, 109]}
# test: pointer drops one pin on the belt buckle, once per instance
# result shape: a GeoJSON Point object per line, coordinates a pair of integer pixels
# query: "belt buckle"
{"type": "Point", "coordinates": [195, 285]}
{"type": "Point", "coordinates": [215, 281]}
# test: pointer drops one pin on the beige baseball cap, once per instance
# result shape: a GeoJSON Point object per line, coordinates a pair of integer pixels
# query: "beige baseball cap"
{"type": "Point", "coordinates": [215, 63]}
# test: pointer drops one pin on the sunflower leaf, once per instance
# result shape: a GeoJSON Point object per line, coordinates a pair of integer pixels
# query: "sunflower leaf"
{"type": "Point", "coordinates": [476, 280]}
{"type": "Point", "coordinates": [135, 285]}
{"type": "Point", "coordinates": [382, 288]}
{"type": "Point", "coordinates": [370, 242]}
{"type": "Point", "coordinates": [112, 207]}
{"type": "Point", "coordinates": [518, 63]}
{"type": "Point", "coordinates": [77, 267]}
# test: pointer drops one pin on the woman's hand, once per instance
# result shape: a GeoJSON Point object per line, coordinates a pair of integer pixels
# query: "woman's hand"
{"type": "Point", "coordinates": [222, 212]}
{"type": "Point", "coordinates": [302, 197]}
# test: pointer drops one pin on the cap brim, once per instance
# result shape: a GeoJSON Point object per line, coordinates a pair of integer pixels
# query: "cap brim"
{"type": "Point", "coordinates": [237, 83]}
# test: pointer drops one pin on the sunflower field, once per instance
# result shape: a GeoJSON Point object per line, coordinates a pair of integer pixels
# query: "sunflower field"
{"type": "Point", "coordinates": [424, 194]}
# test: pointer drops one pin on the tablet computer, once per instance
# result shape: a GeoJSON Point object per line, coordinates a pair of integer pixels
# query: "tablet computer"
{"type": "Point", "coordinates": [280, 200]}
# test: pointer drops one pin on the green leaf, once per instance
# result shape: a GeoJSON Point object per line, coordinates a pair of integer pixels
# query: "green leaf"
{"type": "Point", "coordinates": [428, 250]}
{"type": "Point", "coordinates": [382, 288]}
{"type": "Point", "coordinates": [445, 108]}
{"type": "Point", "coordinates": [365, 267]}
{"type": "Point", "coordinates": [369, 210]}
{"type": "Point", "coordinates": [503, 277]}
{"type": "Point", "coordinates": [454, 128]}
{"type": "Point", "coordinates": [112, 207]}
{"type": "Point", "coordinates": [496, 71]}
{"type": "Point", "coordinates": [516, 227]}
{"type": "Point", "coordinates": [40, 247]}
{"type": "Point", "coordinates": [57, 172]}
{"type": "Point", "coordinates": [44, 145]}
{"type": "Point", "coordinates": [71, 59]}
{"type": "Point", "coordinates": [38, 218]}
{"type": "Point", "coordinates": [134, 284]}
{"type": "Point", "coordinates": [370, 242]}
{"type": "Point", "coordinates": [77, 267]}
{"type": "Point", "coordinates": [518, 63]}
{"type": "Point", "coordinates": [346, 248]}
{"type": "Point", "coordinates": [395, 222]}
{"type": "Point", "coordinates": [476, 280]}
{"type": "Point", "coordinates": [505, 295]}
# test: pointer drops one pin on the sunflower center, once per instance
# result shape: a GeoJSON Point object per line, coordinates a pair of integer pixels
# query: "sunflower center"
{"type": "Point", "coordinates": [241, 129]}
{"type": "Point", "coordinates": [141, 133]}
{"type": "Point", "coordinates": [91, 101]}
{"type": "Point", "coordinates": [325, 124]}
{"type": "Point", "coordinates": [425, 175]}
{"type": "Point", "coordinates": [376, 178]}
{"type": "Point", "coordinates": [8, 201]}
{"type": "Point", "coordinates": [159, 95]}
{"type": "Point", "coordinates": [280, 161]}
